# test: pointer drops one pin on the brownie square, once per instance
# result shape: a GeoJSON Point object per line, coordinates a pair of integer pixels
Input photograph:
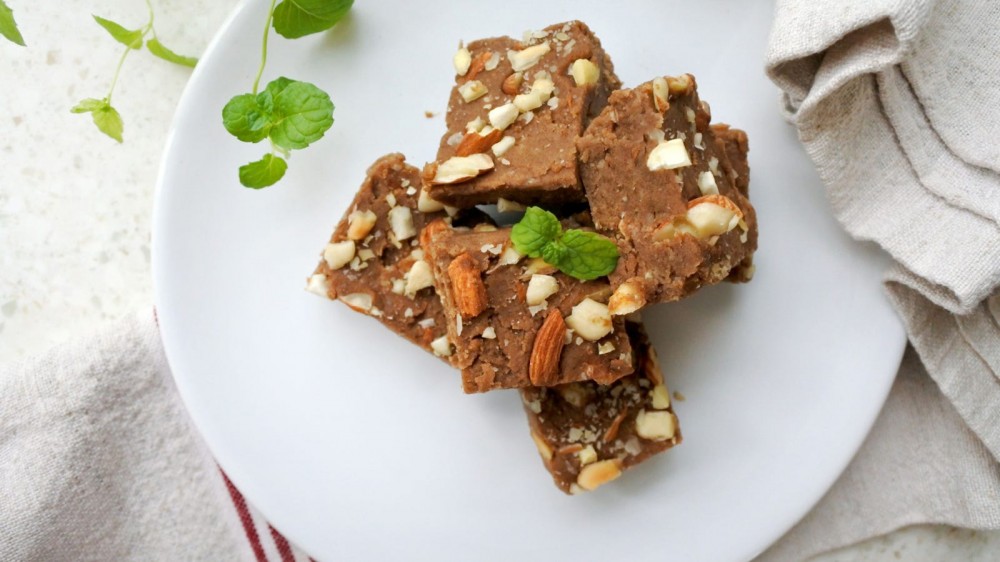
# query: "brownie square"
{"type": "Point", "coordinates": [522, 104]}
{"type": "Point", "coordinates": [662, 185]}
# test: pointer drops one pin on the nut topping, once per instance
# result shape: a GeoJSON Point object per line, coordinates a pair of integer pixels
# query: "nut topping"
{"type": "Point", "coordinates": [660, 397]}
{"type": "Point", "coordinates": [427, 205]}
{"type": "Point", "coordinates": [512, 84]}
{"type": "Point", "coordinates": [706, 183]}
{"type": "Point", "coordinates": [661, 93]}
{"type": "Point", "coordinates": [668, 155]}
{"type": "Point", "coordinates": [598, 473]}
{"type": "Point", "coordinates": [585, 73]}
{"type": "Point", "coordinates": [655, 426]}
{"type": "Point", "coordinates": [502, 117]}
{"type": "Point", "coordinates": [401, 222]}
{"type": "Point", "coordinates": [543, 365]}
{"type": "Point", "coordinates": [360, 223]}
{"type": "Point", "coordinates": [419, 277]}
{"type": "Point", "coordinates": [478, 64]}
{"type": "Point", "coordinates": [460, 168]}
{"type": "Point", "coordinates": [475, 143]}
{"type": "Point", "coordinates": [339, 254]}
{"type": "Point", "coordinates": [543, 448]}
{"type": "Point", "coordinates": [540, 287]}
{"type": "Point", "coordinates": [441, 346]}
{"type": "Point", "coordinates": [682, 84]}
{"type": "Point", "coordinates": [467, 286]}
{"type": "Point", "coordinates": [626, 299]}
{"type": "Point", "coordinates": [461, 60]}
{"type": "Point", "coordinates": [527, 58]}
{"type": "Point", "coordinates": [590, 319]}
{"type": "Point", "coordinates": [472, 90]}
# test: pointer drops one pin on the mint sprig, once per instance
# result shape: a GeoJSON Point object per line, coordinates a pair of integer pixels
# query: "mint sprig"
{"type": "Point", "coordinates": [106, 117]}
{"type": "Point", "coordinates": [578, 253]}
{"type": "Point", "coordinates": [289, 113]}
{"type": "Point", "coordinates": [8, 27]}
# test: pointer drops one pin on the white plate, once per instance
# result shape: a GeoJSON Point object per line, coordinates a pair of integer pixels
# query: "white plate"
{"type": "Point", "coordinates": [359, 446]}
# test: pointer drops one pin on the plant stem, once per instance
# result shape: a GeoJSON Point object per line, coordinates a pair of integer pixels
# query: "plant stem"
{"type": "Point", "coordinates": [121, 61]}
{"type": "Point", "coordinates": [263, 49]}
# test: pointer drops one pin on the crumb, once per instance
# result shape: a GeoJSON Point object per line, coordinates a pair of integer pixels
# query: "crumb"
{"type": "Point", "coordinates": [679, 397]}
{"type": "Point", "coordinates": [429, 114]}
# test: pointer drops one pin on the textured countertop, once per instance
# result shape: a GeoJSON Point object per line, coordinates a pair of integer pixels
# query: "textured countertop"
{"type": "Point", "coordinates": [75, 207]}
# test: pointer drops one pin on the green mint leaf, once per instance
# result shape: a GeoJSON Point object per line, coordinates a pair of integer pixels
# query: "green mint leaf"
{"type": "Point", "coordinates": [131, 38]}
{"type": "Point", "coordinates": [584, 255]}
{"type": "Point", "coordinates": [298, 18]}
{"type": "Point", "coordinates": [536, 230]}
{"type": "Point", "coordinates": [106, 118]}
{"type": "Point", "coordinates": [88, 105]}
{"type": "Point", "coordinates": [8, 27]}
{"type": "Point", "coordinates": [300, 113]}
{"type": "Point", "coordinates": [264, 172]}
{"type": "Point", "coordinates": [166, 54]}
{"type": "Point", "coordinates": [245, 119]}
{"type": "Point", "coordinates": [108, 121]}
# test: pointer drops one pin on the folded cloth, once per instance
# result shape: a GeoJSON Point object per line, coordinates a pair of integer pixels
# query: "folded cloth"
{"type": "Point", "coordinates": [895, 102]}
{"type": "Point", "coordinates": [99, 461]}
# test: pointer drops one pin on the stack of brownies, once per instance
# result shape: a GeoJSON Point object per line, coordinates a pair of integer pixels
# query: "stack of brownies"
{"type": "Point", "coordinates": [544, 122]}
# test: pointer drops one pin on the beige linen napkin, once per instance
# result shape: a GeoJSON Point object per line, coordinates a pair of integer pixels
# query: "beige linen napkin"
{"type": "Point", "coordinates": [99, 461]}
{"type": "Point", "coordinates": [898, 104]}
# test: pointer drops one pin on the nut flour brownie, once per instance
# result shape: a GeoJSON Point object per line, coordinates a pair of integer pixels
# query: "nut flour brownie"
{"type": "Point", "coordinates": [662, 184]}
{"type": "Point", "coordinates": [374, 263]}
{"type": "Point", "coordinates": [588, 434]}
{"type": "Point", "coordinates": [517, 322]}
{"type": "Point", "coordinates": [514, 114]}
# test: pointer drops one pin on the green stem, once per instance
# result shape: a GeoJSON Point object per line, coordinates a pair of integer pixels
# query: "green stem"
{"type": "Point", "coordinates": [149, 25]}
{"type": "Point", "coordinates": [263, 48]}
{"type": "Point", "coordinates": [121, 61]}
{"type": "Point", "coordinates": [118, 71]}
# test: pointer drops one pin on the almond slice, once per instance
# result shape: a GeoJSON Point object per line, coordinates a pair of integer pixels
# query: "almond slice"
{"type": "Point", "coordinates": [543, 365]}
{"type": "Point", "coordinates": [459, 168]}
{"type": "Point", "coordinates": [475, 143]}
{"type": "Point", "coordinates": [468, 289]}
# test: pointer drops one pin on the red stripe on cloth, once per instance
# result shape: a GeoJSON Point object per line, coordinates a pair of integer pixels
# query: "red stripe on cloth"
{"type": "Point", "coordinates": [284, 549]}
{"type": "Point", "coordinates": [246, 519]}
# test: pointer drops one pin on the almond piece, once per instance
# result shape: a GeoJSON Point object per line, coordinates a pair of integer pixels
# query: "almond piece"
{"type": "Point", "coordinates": [431, 230]}
{"type": "Point", "coordinates": [668, 155]}
{"type": "Point", "coordinates": [543, 447]}
{"type": "Point", "coordinates": [512, 84]}
{"type": "Point", "coordinates": [458, 169]}
{"type": "Point", "coordinates": [626, 299]}
{"type": "Point", "coordinates": [478, 64]}
{"type": "Point", "coordinates": [474, 143]}
{"type": "Point", "coordinates": [661, 93]}
{"type": "Point", "coordinates": [585, 73]}
{"type": "Point", "coordinates": [543, 366]}
{"type": "Point", "coordinates": [599, 473]}
{"type": "Point", "coordinates": [467, 286]}
{"type": "Point", "coordinates": [682, 84]}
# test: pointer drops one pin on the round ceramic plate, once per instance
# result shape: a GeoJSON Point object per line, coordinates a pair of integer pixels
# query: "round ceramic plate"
{"type": "Point", "coordinates": [359, 446]}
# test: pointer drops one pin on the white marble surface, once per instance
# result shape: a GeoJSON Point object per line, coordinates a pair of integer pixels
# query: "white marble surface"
{"type": "Point", "coordinates": [75, 206]}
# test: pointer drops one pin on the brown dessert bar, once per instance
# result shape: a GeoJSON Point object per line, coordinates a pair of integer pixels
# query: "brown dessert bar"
{"type": "Point", "coordinates": [514, 115]}
{"type": "Point", "coordinates": [587, 434]}
{"type": "Point", "coordinates": [374, 263]}
{"type": "Point", "coordinates": [661, 184]}
{"type": "Point", "coordinates": [517, 322]}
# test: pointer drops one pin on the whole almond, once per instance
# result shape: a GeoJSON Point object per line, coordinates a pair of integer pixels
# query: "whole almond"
{"type": "Point", "coordinates": [474, 143]}
{"type": "Point", "coordinates": [467, 286]}
{"type": "Point", "coordinates": [512, 84]}
{"type": "Point", "coordinates": [477, 65]}
{"type": "Point", "coordinates": [543, 366]}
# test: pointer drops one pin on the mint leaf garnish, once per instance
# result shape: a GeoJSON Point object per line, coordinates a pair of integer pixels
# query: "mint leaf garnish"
{"type": "Point", "coordinates": [107, 118]}
{"type": "Point", "coordinates": [298, 18]}
{"type": "Point", "coordinates": [8, 27]}
{"type": "Point", "coordinates": [264, 172]}
{"type": "Point", "coordinates": [587, 255]}
{"type": "Point", "coordinates": [131, 38]}
{"type": "Point", "coordinates": [536, 229]}
{"type": "Point", "coordinates": [578, 253]}
{"type": "Point", "coordinates": [244, 118]}
{"type": "Point", "coordinates": [300, 113]}
{"type": "Point", "coordinates": [166, 54]}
